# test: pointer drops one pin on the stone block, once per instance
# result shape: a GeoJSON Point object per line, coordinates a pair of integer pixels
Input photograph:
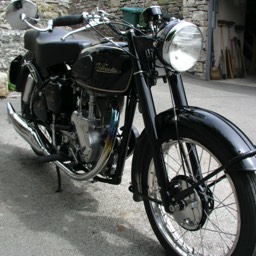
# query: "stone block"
{"type": "Point", "coordinates": [198, 68]}
{"type": "Point", "coordinates": [163, 2]}
{"type": "Point", "coordinates": [203, 7]}
{"type": "Point", "coordinates": [189, 2]}
{"type": "Point", "coordinates": [3, 85]}
{"type": "Point", "coordinates": [200, 15]}
{"type": "Point", "coordinates": [114, 3]}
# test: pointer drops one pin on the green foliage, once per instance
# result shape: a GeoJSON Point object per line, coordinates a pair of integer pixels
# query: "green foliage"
{"type": "Point", "coordinates": [11, 86]}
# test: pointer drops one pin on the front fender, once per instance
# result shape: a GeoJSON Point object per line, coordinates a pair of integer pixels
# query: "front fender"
{"type": "Point", "coordinates": [205, 122]}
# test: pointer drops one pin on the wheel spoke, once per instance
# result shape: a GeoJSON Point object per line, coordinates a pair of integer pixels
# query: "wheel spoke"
{"type": "Point", "coordinates": [221, 233]}
{"type": "Point", "coordinates": [213, 232]}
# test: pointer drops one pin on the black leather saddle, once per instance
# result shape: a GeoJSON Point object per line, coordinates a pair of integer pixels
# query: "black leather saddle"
{"type": "Point", "coordinates": [50, 50]}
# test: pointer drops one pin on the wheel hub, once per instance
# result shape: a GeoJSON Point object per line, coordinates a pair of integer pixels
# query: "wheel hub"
{"type": "Point", "coordinates": [191, 212]}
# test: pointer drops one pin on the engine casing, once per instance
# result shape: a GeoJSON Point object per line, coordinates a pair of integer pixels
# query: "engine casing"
{"type": "Point", "coordinates": [59, 95]}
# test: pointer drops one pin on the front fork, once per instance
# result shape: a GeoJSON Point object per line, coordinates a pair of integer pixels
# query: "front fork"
{"type": "Point", "coordinates": [149, 117]}
{"type": "Point", "coordinates": [180, 100]}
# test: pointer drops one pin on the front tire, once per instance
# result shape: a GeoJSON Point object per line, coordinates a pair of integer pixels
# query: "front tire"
{"type": "Point", "coordinates": [219, 218]}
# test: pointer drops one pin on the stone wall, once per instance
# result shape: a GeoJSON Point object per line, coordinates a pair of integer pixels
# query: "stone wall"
{"type": "Point", "coordinates": [172, 7]}
{"type": "Point", "coordinates": [11, 41]}
{"type": "Point", "coordinates": [196, 11]}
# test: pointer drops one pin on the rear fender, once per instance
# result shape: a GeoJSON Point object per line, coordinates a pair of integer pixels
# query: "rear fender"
{"type": "Point", "coordinates": [206, 122]}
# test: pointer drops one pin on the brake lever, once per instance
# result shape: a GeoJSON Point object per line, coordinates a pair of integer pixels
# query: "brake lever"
{"type": "Point", "coordinates": [63, 39]}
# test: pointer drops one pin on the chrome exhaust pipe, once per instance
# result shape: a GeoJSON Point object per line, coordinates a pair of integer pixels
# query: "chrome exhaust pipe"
{"type": "Point", "coordinates": [27, 132]}
{"type": "Point", "coordinates": [30, 135]}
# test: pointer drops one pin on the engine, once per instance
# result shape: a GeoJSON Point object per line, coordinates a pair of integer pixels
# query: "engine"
{"type": "Point", "coordinates": [91, 125]}
{"type": "Point", "coordinates": [80, 118]}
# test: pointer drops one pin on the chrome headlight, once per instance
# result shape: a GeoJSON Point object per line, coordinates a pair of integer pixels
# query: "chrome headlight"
{"type": "Point", "coordinates": [182, 44]}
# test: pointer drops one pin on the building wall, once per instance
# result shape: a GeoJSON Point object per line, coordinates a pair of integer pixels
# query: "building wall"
{"type": "Point", "coordinates": [192, 10]}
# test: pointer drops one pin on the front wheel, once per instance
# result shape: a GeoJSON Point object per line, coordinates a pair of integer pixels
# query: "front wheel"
{"type": "Point", "coordinates": [219, 218]}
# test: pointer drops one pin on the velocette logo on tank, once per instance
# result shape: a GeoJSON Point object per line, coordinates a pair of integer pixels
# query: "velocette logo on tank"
{"type": "Point", "coordinates": [105, 68]}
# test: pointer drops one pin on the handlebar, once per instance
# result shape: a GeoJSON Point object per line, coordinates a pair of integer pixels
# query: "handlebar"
{"type": "Point", "coordinates": [88, 19]}
{"type": "Point", "coordinates": [68, 20]}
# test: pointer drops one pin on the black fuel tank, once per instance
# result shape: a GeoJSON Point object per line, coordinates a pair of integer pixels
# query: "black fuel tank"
{"type": "Point", "coordinates": [103, 68]}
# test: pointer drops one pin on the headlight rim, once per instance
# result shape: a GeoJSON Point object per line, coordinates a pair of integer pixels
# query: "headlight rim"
{"type": "Point", "coordinates": [169, 33]}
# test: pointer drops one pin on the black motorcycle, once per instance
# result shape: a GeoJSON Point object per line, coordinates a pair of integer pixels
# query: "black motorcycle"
{"type": "Point", "coordinates": [193, 169]}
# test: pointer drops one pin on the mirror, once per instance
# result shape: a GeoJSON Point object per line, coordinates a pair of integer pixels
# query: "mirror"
{"type": "Point", "coordinates": [14, 11]}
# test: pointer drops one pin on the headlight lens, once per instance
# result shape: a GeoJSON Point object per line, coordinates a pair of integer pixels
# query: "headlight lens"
{"type": "Point", "coordinates": [182, 46]}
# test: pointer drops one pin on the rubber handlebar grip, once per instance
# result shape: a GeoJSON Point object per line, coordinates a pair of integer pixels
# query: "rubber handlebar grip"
{"type": "Point", "coordinates": [68, 20]}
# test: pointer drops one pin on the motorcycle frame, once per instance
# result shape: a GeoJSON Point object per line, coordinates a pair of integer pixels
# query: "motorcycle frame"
{"type": "Point", "coordinates": [141, 91]}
